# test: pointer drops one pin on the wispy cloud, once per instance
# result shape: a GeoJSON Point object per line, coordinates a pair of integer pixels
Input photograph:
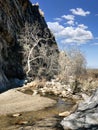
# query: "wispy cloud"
{"type": "Point", "coordinates": [70, 22]}
{"type": "Point", "coordinates": [68, 17]}
{"type": "Point", "coordinates": [82, 26]}
{"type": "Point", "coordinates": [58, 19]}
{"type": "Point", "coordinates": [77, 35]}
{"type": "Point", "coordinates": [79, 11]}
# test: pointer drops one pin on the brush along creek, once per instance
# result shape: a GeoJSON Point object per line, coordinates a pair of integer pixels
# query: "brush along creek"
{"type": "Point", "coordinates": [22, 111]}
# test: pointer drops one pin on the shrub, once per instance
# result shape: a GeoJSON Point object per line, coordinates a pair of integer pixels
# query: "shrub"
{"type": "Point", "coordinates": [72, 64]}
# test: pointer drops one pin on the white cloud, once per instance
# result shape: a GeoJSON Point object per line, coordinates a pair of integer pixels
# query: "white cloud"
{"type": "Point", "coordinates": [55, 27]}
{"type": "Point", "coordinates": [78, 35]}
{"type": "Point", "coordinates": [82, 26]}
{"type": "Point", "coordinates": [58, 19]}
{"type": "Point", "coordinates": [68, 17]}
{"type": "Point", "coordinates": [71, 22]}
{"type": "Point", "coordinates": [79, 11]}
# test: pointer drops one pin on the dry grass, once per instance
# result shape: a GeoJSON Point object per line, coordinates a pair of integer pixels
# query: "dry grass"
{"type": "Point", "coordinates": [92, 73]}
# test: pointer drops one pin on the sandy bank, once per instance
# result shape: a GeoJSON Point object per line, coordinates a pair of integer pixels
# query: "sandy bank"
{"type": "Point", "coordinates": [14, 101]}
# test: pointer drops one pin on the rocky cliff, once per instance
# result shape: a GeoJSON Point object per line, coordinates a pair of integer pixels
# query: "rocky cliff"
{"type": "Point", "coordinates": [23, 31]}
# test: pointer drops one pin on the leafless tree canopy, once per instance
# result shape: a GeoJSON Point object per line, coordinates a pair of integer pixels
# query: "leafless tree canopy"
{"type": "Point", "coordinates": [72, 63]}
{"type": "Point", "coordinates": [40, 52]}
{"type": "Point", "coordinates": [42, 60]}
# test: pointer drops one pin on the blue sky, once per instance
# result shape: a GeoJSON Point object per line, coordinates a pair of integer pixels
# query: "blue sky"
{"type": "Point", "coordinates": [74, 23]}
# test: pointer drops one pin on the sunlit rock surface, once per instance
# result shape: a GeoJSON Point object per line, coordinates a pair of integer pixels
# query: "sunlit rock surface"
{"type": "Point", "coordinates": [85, 116]}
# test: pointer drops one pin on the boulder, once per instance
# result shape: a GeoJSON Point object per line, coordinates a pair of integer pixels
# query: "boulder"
{"type": "Point", "coordinates": [85, 116]}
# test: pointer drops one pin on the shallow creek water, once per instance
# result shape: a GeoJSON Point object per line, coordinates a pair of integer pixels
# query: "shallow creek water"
{"type": "Point", "coordinates": [46, 119]}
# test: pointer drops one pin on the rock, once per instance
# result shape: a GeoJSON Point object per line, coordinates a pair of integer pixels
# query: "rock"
{"type": "Point", "coordinates": [34, 92]}
{"type": "Point", "coordinates": [90, 103]}
{"type": "Point", "coordinates": [86, 115]}
{"type": "Point", "coordinates": [85, 96]}
{"type": "Point", "coordinates": [55, 88]}
{"type": "Point", "coordinates": [64, 114]}
{"type": "Point", "coordinates": [63, 93]}
{"type": "Point", "coordinates": [15, 16]}
{"type": "Point", "coordinates": [77, 98]}
{"type": "Point", "coordinates": [67, 113]}
{"type": "Point", "coordinates": [16, 115]}
{"type": "Point", "coordinates": [21, 122]}
{"type": "Point", "coordinates": [92, 118]}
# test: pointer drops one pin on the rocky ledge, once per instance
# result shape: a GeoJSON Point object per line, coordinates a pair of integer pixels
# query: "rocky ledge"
{"type": "Point", "coordinates": [85, 116]}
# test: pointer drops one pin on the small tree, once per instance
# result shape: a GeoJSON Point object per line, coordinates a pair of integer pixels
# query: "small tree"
{"type": "Point", "coordinates": [72, 63]}
{"type": "Point", "coordinates": [78, 62]}
{"type": "Point", "coordinates": [64, 66]}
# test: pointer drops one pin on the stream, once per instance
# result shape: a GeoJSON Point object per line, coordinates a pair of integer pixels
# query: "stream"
{"type": "Point", "coordinates": [46, 119]}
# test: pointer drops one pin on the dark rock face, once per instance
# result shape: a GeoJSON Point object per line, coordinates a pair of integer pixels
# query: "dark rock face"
{"type": "Point", "coordinates": [14, 14]}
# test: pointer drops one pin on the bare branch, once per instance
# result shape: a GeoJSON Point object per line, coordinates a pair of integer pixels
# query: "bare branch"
{"type": "Point", "coordinates": [38, 53]}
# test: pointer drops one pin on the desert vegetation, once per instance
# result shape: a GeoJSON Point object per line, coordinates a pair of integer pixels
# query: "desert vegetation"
{"type": "Point", "coordinates": [65, 69]}
{"type": "Point", "coordinates": [44, 63]}
{"type": "Point", "coordinates": [72, 63]}
{"type": "Point", "coordinates": [47, 62]}
{"type": "Point", "coordinates": [61, 73]}
{"type": "Point", "coordinates": [40, 58]}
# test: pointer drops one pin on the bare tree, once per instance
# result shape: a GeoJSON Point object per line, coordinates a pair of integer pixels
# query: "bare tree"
{"type": "Point", "coordinates": [40, 56]}
{"type": "Point", "coordinates": [64, 66]}
{"type": "Point", "coordinates": [78, 61]}
{"type": "Point", "coordinates": [72, 63]}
